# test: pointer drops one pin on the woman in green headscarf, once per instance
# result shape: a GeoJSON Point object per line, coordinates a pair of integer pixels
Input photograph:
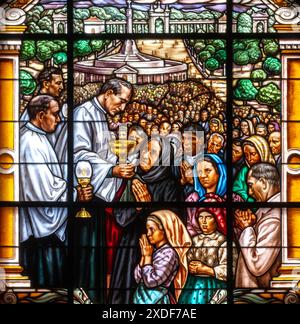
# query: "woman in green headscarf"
{"type": "Point", "coordinates": [256, 150]}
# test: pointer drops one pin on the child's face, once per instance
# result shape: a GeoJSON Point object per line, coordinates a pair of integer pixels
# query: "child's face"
{"type": "Point", "coordinates": [207, 223]}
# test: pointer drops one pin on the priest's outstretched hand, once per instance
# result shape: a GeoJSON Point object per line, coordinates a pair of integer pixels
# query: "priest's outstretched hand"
{"type": "Point", "coordinates": [85, 194]}
{"type": "Point", "coordinates": [125, 171]}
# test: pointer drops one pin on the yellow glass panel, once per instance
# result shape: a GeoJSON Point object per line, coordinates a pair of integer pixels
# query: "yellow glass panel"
{"type": "Point", "coordinates": [6, 89]}
{"type": "Point", "coordinates": [7, 187]}
{"type": "Point", "coordinates": [294, 253]}
{"type": "Point", "coordinates": [7, 232]}
{"type": "Point", "coordinates": [293, 131]}
{"type": "Point", "coordinates": [7, 135]}
{"type": "Point", "coordinates": [293, 185]}
{"type": "Point", "coordinates": [293, 224]}
{"type": "Point", "coordinates": [293, 89]}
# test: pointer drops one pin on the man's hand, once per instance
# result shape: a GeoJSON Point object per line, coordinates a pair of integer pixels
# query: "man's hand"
{"type": "Point", "coordinates": [244, 219]}
{"type": "Point", "coordinates": [125, 171]}
{"type": "Point", "coordinates": [84, 194]}
{"type": "Point", "coordinates": [140, 191]}
{"type": "Point", "coordinates": [186, 172]}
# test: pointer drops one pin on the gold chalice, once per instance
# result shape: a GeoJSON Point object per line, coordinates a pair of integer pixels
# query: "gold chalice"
{"type": "Point", "coordinates": [121, 147]}
{"type": "Point", "coordinates": [83, 173]}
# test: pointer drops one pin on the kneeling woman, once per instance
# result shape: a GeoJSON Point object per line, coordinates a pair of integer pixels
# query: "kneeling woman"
{"type": "Point", "coordinates": [163, 259]}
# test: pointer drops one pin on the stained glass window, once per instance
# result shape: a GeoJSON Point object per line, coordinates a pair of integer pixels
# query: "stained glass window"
{"type": "Point", "coordinates": [149, 152]}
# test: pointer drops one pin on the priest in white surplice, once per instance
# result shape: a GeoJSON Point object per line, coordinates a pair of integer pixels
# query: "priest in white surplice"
{"type": "Point", "coordinates": [92, 138]}
{"type": "Point", "coordinates": [42, 229]}
{"type": "Point", "coordinates": [50, 82]}
{"type": "Point", "coordinates": [92, 143]}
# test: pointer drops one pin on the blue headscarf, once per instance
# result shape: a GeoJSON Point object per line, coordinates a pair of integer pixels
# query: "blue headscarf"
{"type": "Point", "coordinates": [221, 186]}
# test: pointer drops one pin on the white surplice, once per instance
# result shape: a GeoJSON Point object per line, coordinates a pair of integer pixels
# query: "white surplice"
{"type": "Point", "coordinates": [40, 180]}
{"type": "Point", "coordinates": [92, 143]}
{"type": "Point", "coordinates": [52, 137]}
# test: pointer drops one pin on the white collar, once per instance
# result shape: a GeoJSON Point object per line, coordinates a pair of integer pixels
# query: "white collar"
{"type": "Point", "coordinates": [33, 128]}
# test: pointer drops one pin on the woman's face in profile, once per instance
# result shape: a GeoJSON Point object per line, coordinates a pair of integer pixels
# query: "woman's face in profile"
{"type": "Point", "coordinates": [154, 234]}
{"type": "Point", "coordinates": [150, 155]}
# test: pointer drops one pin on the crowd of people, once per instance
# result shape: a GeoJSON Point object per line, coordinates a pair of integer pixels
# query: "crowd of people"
{"type": "Point", "coordinates": [174, 255]}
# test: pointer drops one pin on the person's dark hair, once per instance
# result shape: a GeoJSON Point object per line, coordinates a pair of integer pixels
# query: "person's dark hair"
{"type": "Point", "coordinates": [37, 104]}
{"type": "Point", "coordinates": [205, 110]}
{"type": "Point", "coordinates": [46, 74]}
{"type": "Point", "coordinates": [235, 130]}
{"type": "Point", "coordinates": [265, 171]}
{"type": "Point", "coordinates": [115, 85]}
{"type": "Point", "coordinates": [237, 142]}
{"type": "Point", "coordinates": [207, 159]}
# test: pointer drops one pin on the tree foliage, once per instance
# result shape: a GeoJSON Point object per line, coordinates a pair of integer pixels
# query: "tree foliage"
{"type": "Point", "coordinates": [82, 48]}
{"type": "Point", "coordinates": [244, 23]}
{"type": "Point", "coordinates": [27, 83]}
{"type": "Point", "coordinates": [245, 90]}
{"type": "Point", "coordinates": [272, 66]}
{"type": "Point", "coordinates": [241, 57]}
{"type": "Point", "coordinates": [60, 58]}
{"type": "Point", "coordinates": [212, 64]}
{"type": "Point", "coordinates": [258, 75]}
{"type": "Point", "coordinates": [28, 50]}
{"type": "Point", "coordinates": [271, 48]}
{"type": "Point", "coordinates": [269, 95]}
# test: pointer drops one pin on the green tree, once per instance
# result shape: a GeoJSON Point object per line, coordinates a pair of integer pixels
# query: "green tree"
{"type": "Point", "coordinates": [45, 24]}
{"type": "Point", "coordinates": [82, 48]}
{"type": "Point", "coordinates": [81, 13]}
{"type": "Point", "coordinates": [241, 58]}
{"type": "Point", "coordinates": [211, 49]}
{"type": "Point", "coordinates": [97, 46]}
{"type": "Point", "coordinates": [245, 90]}
{"type": "Point", "coordinates": [258, 75]}
{"type": "Point", "coordinates": [271, 48]}
{"type": "Point", "coordinates": [114, 13]}
{"type": "Point", "coordinates": [272, 66]}
{"type": "Point", "coordinates": [220, 56]}
{"type": "Point", "coordinates": [199, 46]}
{"type": "Point", "coordinates": [269, 95]}
{"type": "Point", "coordinates": [27, 83]}
{"type": "Point", "coordinates": [44, 52]}
{"type": "Point", "coordinates": [218, 44]}
{"type": "Point", "coordinates": [176, 14]}
{"type": "Point", "coordinates": [204, 56]}
{"type": "Point", "coordinates": [60, 58]}
{"type": "Point", "coordinates": [244, 23]}
{"type": "Point", "coordinates": [100, 13]}
{"type": "Point", "coordinates": [212, 64]}
{"type": "Point", "coordinates": [255, 54]}
{"type": "Point", "coordinates": [28, 51]}
{"type": "Point", "coordinates": [238, 45]}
